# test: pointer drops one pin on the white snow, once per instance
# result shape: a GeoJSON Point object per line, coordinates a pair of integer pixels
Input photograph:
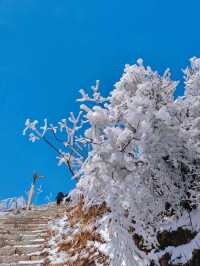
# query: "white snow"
{"type": "Point", "coordinates": [12, 204]}
{"type": "Point", "coordinates": [139, 152]}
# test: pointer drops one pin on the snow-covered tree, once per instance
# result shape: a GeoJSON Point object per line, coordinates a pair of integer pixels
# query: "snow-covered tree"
{"type": "Point", "coordinates": [138, 150]}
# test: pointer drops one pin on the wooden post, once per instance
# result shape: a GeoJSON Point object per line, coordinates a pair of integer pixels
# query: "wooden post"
{"type": "Point", "coordinates": [32, 189]}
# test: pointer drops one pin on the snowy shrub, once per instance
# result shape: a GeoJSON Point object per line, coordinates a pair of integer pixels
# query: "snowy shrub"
{"type": "Point", "coordinates": [138, 150]}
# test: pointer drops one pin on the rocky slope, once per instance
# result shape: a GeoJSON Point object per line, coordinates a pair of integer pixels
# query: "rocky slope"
{"type": "Point", "coordinates": [80, 238]}
{"type": "Point", "coordinates": [83, 238]}
{"type": "Point", "coordinates": [74, 236]}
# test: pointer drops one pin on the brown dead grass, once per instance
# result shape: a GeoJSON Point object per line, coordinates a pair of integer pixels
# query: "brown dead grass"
{"type": "Point", "coordinates": [78, 245]}
{"type": "Point", "coordinates": [80, 241]}
{"type": "Point", "coordinates": [86, 255]}
{"type": "Point", "coordinates": [79, 214]}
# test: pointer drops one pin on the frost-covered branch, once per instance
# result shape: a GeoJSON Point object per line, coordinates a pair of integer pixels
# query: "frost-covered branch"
{"type": "Point", "coordinates": [137, 150]}
{"type": "Point", "coordinates": [68, 141]}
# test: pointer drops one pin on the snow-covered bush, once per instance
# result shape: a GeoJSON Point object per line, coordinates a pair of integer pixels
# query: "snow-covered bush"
{"type": "Point", "coordinates": [138, 150]}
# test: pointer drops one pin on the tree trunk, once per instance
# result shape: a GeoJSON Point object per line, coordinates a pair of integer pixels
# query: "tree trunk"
{"type": "Point", "coordinates": [30, 196]}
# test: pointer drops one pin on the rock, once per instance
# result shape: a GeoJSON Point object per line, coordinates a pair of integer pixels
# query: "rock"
{"type": "Point", "coordinates": [175, 238]}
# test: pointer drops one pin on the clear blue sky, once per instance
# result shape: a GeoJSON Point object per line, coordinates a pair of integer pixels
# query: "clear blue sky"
{"type": "Point", "coordinates": [51, 49]}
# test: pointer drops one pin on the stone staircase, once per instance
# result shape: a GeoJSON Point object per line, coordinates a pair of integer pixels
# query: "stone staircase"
{"type": "Point", "coordinates": [24, 236]}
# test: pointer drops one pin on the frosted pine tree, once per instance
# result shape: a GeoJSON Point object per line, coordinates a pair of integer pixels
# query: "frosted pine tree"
{"type": "Point", "coordinates": [139, 151]}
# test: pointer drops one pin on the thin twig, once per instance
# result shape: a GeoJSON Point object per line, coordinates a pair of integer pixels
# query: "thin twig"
{"type": "Point", "coordinates": [60, 153]}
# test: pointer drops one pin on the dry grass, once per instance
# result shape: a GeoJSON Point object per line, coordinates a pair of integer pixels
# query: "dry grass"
{"type": "Point", "coordinates": [79, 246]}
{"type": "Point", "coordinates": [80, 241]}
{"type": "Point", "coordinates": [86, 255]}
{"type": "Point", "coordinates": [90, 260]}
{"type": "Point", "coordinates": [79, 214]}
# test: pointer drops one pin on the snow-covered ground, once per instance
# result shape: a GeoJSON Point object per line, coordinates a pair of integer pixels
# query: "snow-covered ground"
{"type": "Point", "coordinates": [79, 238]}
{"type": "Point", "coordinates": [65, 234]}
{"type": "Point", "coordinates": [182, 253]}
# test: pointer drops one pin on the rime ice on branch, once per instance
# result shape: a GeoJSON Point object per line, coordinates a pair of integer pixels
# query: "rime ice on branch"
{"type": "Point", "coordinates": [71, 147]}
{"type": "Point", "coordinates": [139, 152]}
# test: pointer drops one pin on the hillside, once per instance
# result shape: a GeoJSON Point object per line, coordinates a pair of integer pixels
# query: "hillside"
{"type": "Point", "coordinates": [73, 235]}
{"type": "Point", "coordinates": [83, 238]}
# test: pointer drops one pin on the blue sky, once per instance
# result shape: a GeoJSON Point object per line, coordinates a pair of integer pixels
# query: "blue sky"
{"type": "Point", "coordinates": [51, 49]}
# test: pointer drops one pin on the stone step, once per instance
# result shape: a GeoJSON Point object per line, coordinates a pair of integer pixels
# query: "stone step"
{"type": "Point", "coordinates": [24, 221]}
{"type": "Point", "coordinates": [17, 236]}
{"type": "Point", "coordinates": [24, 236]}
{"type": "Point", "coordinates": [17, 258]}
{"type": "Point", "coordinates": [48, 207]}
{"type": "Point", "coordinates": [21, 224]}
{"type": "Point", "coordinates": [23, 227]}
{"type": "Point", "coordinates": [9, 224]}
{"type": "Point", "coordinates": [8, 237]}
{"type": "Point", "coordinates": [36, 232]}
{"type": "Point", "coordinates": [14, 231]}
{"type": "Point", "coordinates": [34, 236]}
{"type": "Point", "coordinates": [45, 210]}
{"type": "Point", "coordinates": [25, 249]}
{"type": "Point", "coordinates": [29, 235]}
{"type": "Point", "coordinates": [25, 263]}
{"type": "Point", "coordinates": [48, 215]}
{"type": "Point", "coordinates": [31, 263]}
{"type": "Point", "coordinates": [12, 243]}
{"type": "Point", "coordinates": [40, 212]}
{"type": "Point", "coordinates": [20, 249]}
{"type": "Point", "coordinates": [50, 211]}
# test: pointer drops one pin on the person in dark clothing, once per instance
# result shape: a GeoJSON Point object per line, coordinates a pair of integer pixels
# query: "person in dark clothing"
{"type": "Point", "coordinates": [59, 198]}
